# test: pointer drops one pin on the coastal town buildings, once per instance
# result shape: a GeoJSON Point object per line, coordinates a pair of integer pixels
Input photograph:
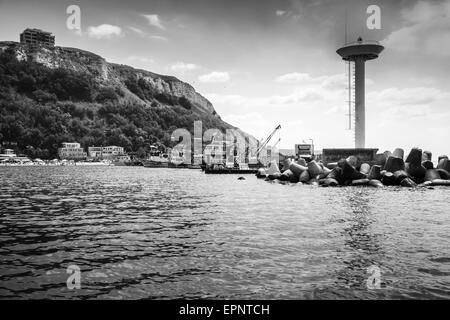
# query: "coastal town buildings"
{"type": "Point", "coordinates": [106, 153]}
{"type": "Point", "coordinates": [71, 151]}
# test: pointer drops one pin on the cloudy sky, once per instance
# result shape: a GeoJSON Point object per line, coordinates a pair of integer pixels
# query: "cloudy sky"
{"type": "Point", "coordinates": [263, 63]}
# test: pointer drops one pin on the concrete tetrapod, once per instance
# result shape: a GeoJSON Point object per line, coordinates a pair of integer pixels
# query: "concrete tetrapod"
{"type": "Point", "coordinates": [297, 169]}
{"type": "Point", "coordinates": [432, 174]}
{"type": "Point", "coordinates": [375, 173]}
{"type": "Point", "coordinates": [445, 175]}
{"type": "Point", "coordinates": [388, 179]}
{"type": "Point", "coordinates": [427, 156]}
{"type": "Point", "coordinates": [408, 182]}
{"type": "Point", "coordinates": [394, 164]}
{"type": "Point", "coordinates": [427, 164]}
{"type": "Point", "coordinates": [444, 164]}
{"type": "Point", "coordinates": [365, 168]}
{"type": "Point", "coordinates": [399, 153]}
{"type": "Point", "coordinates": [314, 169]}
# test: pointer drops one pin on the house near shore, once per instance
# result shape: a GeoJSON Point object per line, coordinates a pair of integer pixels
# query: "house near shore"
{"type": "Point", "coordinates": [107, 153]}
{"type": "Point", "coordinates": [71, 151]}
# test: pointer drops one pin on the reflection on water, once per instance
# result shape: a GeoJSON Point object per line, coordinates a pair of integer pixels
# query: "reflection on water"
{"type": "Point", "coordinates": [165, 233]}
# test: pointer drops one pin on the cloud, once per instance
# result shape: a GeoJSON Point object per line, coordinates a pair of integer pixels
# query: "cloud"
{"type": "Point", "coordinates": [182, 67]}
{"type": "Point", "coordinates": [323, 92]}
{"type": "Point", "coordinates": [104, 31]}
{"type": "Point", "coordinates": [154, 21]}
{"type": "Point", "coordinates": [427, 30]}
{"type": "Point", "coordinates": [146, 35]}
{"type": "Point", "coordinates": [293, 77]}
{"type": "Point", "coordinates": [138, 31]}
{"type": "Point", "coordinates": [406, 103]}
{"type": "Point", "coordinates": [280, 13]}
{"type": "Point", "coordinates": [215, 77]}
{"type": "Point", "coordinates": [158, 38]}
{"type": "Point", "coordinates": [254, 120]}
{"type": "Point", "coordinates": [337, 81]}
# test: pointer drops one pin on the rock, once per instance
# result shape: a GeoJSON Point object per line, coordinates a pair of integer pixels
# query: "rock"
{"type": "Point", "coordinates": [442, 157]}
{"type": "Point", "coordinates": [261, 173]}
{"type": "Point", "coordinates": [297, 169]}
{"type": "Point", "coordinates": [426, 156]}
{"type": "Point", "coordinates": [349, 172]}
{"type": "Point", "coordinates": [286, 175]}
{"type": "Point", "coordinates": [427, 164]}
{"type": "Point", "coordinates": [360, 182]}
{"type": "Point", "coordinates": [326, 170]}
{"type": "Point", "coordinates": [444, 164]}
{"type": "Point", "coordinates": [400, 175]}
{"type": "Point", "coordinates": [294, 178]}
{"type": "Point", "coordinates": [314, 169]}
{"type": "Point", "coordinates": [440, 182]}
{"type": "Point", "coordinates": [241, 178]}
{"type": "Point", "coordinates": [416, 171]}
{"type": "Point", "coordinates": [273, 168]}
{"type": "Point", "coordinates": [445, 175]}
{"type": "Point", "coordinates": [375, 183]}
{"type": "Point", "coordinates": [388, 179]}
{"type": "Point", "coordinates": [305, 177]}
{"type": "Point", "coordinates": [274, 176]}
{"type": "Point", "coordinates": [387, 154]}
{"type": "Point", "coordinates": [380, 159]}
{"type": "Point", "coordinates": [332, 165]}
{"type": "Point", "coordinates": [353, 161]}
{"type": "Point", "coordinates": [394, 164]}
{"type": "Point", "coordinates": [415, 156]}
{"type": "Point", "coordinates": [425, 184]}
{"type": "Point", "coordinates": [336, 174]}
{"type": "Point", "coordinates": [330, 182]}
{"type": "Point", "coordinates": [365, 168]}
{"type": "Point", "coordinates": [286, 164]}
{"type": "Point", "coordinates": [398, 153]}
{"type": "Point", "coordinates": [302, 162]}
{"type": "Point", "coordinates": [407, 182]}
{"type": "Point", "coordinates": [375, 173]}
{"type": "Point", "coordinates": [432, 174]}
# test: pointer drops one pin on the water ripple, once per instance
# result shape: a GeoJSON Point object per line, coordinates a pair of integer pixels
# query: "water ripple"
{"type": "Point", "coordinates": [140, 233]}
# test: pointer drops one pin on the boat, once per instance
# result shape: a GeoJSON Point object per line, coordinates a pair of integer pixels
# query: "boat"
{"type": "Point", "coordinates": [157, 161]}
{"type": "Point", "coordinates": [122, 160]}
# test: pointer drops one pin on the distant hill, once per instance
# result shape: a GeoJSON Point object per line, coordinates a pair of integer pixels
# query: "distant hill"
{"type": "Point", "coordinates": [54, 95]}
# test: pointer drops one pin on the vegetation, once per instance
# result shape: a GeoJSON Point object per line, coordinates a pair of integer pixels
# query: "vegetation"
{"type": "Point", "coordinates": [42, 107]}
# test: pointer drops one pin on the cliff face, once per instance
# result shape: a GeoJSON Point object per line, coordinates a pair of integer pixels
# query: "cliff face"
{"type": "Point", "coordinates": [106, 73]}
{"type": "Point", "coordinates": [54, 95]}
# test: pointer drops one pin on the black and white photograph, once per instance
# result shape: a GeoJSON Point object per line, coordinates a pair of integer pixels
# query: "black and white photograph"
{"type": "Point", "coordinates": [251, 151]}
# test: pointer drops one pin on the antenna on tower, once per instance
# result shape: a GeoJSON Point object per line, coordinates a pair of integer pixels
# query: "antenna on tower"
{"type": "Point", "coordinates": [345, 32]}
{"type": "Point", "coordinates": [350, 76]}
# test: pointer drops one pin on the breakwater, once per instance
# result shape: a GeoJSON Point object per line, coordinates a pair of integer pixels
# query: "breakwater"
{"type": "Point", "coordinates": [387, 169]}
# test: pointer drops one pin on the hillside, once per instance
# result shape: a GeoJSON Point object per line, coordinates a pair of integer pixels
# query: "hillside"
{"type": "Point", "coordinates": [49, 96]}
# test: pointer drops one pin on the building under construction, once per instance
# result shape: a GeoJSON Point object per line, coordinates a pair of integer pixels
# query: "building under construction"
{"type": "Point", "coordinates": [37, 37]}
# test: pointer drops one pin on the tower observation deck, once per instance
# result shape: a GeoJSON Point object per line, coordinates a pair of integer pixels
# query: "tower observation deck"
{"type": "Point", "coordinates": [359, 52]}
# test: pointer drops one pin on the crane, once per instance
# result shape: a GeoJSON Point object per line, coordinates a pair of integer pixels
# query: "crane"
{"type": "Point", "coordinates": [264, 144]}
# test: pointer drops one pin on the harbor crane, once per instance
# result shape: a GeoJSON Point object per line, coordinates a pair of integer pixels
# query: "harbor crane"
{"type": "Point", "coordinates": [264, 144]}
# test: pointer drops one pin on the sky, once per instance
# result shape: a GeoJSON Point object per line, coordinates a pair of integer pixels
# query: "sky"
{"type": "Point", "coordinates": [263, 63]}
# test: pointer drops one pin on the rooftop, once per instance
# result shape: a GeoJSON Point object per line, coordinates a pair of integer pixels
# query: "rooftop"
{"type": "Point", "coordinates": [368, 49]}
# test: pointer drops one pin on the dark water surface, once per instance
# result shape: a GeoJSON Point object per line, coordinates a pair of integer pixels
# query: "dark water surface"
{"type": "Point", "coordinates": [165, 233]}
